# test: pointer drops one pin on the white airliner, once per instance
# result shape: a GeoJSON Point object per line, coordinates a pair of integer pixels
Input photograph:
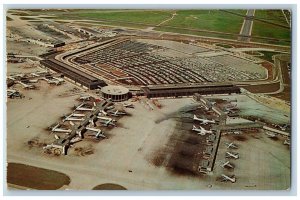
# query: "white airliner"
{"type": "Point", "coordinates": [204, 121]}
{"type": "Point", "coordinates": [200, 130]}
{"type": "Point", "coordinates": [232, 155]}
{"type": "Point", "coordinates": [97, 131]}
{"type": "Point", "coordinates": [107, 121]}
{"type": "Point", "coordinates": [227, 164]}
{"type": "Point", "coordinates": [228, 178]}
{"type": "Point", "coordinates": [230, 145]}
{"type": "Point", "coordinates": [26, 86]}
{"type": "Point", "coordinates": [117, 113]}
{"type": "Point", "coordinates": [81, 108]}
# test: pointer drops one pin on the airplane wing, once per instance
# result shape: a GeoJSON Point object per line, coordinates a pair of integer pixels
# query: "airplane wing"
{"type": "Point", "coordinates": [108, 121]}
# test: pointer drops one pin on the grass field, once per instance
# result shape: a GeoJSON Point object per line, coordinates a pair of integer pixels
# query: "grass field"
{"type": "Point", "coordinates": [205, 34]}
{"type": "Point", "coordinates": [211, 20]}
{"type": "Point", "coordinates": [268, 30]}
{"type": "Point", "coordinates": [275, 16]}
{"type": "Point", "coordinates": [151, 17]}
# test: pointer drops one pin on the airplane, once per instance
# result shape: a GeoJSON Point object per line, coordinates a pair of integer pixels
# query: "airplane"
{"type": "Point", "coordinates": [56, 137]}
{"type": "Point", "coordinates": [201, 131]}
{"type": "Point", "coordinates": [85, 97]}
{"type": "Point", "coordinates": [271, 135]}
{"type": "Point", "coordinates": [59, 79]}
{"type": "Point", "coordinates": [287, 142]}
{"type": "Point", "coordinates": [26, 86]}
{"type": "Point", "coordinates": [230, 145]}
{"type": "Point", "coordinates": [103, 112]}
{"type": "Point", "coordinates": [33, 81]}
{"type": "Point", "coordinates": [232, 155]}
{"type": "Point", "coordinates": [107, 121]}
{"type": "Point", "coordinates": [128, 105]}
{"type": "Point", "coordinates": [13, 93]}
{"type": "Point", "coordinates": [11, 78]}
{"type": "Point", "coordinates": [53, 82]}
{"type": "Point", "coordinates": [81, 108]}
{"type": "Point", "coordinates": [78, 115]}
{"type": "Point", "coordinates": [69, 118]}
{"type": "Point", "coordinates": [226, 164]}
{"type": "Point", "coordinates": [34, 74]}
{"type": "Point", "coordinates": [110, 107]}
{"type": "Point", "coordinates": [226, 178]}
{"type": "Point", "coordinates": [283, 127]}
{"type": "Point", "coordinates": [117, 113]}
{"type": "Point", "coordinates": [98, 132]}
{"type": "Point", "coordinates": [57, 129]}
{"type": "Point", "coordinates": [204, 121]}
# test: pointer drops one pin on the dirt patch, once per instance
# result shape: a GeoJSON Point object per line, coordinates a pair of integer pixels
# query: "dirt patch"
{"type": "Point", "coordinates": [274, 138]}
{"type": "Point", "coordinates": [36, 142]}
{"type": "Point", "coordinates": [240, 137]}
{"type": "Point", "coordinates": [84, 150]}
{"type": "Point", "coordinates": [35, 178]}
{"type": "Point", "coordinates": [109, 186]}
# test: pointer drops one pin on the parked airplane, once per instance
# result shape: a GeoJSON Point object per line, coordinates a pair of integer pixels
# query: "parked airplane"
{"type": "Point", "coordinates": [231, 145]}
{"type": "Point", "coordinates": [117, 113]}
{"type": "Point", "coordinates": [201, 130]}
{"type": "Point", "coordinates": [13, 93]}
{"type": "Point", "coordinates": [26, 86]}
{"type": "Point", "coordinates": [55, 82]}
{"type": "Point", "coordinates": [71, 118]}
{"type": "Point", "coordinates": [33, 81]}
{"type": "Point", "coordinates": [107, 121]}
{"type": "Point", "coordinates": [128, 105]}
{"type": "Point", "coordinates": [57, 129]}
{"type": "Point", "coordinates": [204, 121]}
{"type": "Point", "coordinates": [227, 165]}
{"type": "Point", "coordinates": [81, 108]}
{"type": "Point", "coordinates": [287, 142]}
{"type": "Point", "coordinates": [226, 178]}
{"type": "Point", "coordinates": [85, 97]}
{"type": "Point", "coordinates": [98, 132]}
{"type": "Point", "coordinates": [232, 155]}
{"type": "Point", "coordinates": [61, 80]}
{"type": "Point", "coordinates": [271, 135]}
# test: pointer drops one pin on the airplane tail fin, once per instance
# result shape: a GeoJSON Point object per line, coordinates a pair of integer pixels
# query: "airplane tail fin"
{"type": "Point", "coordinates": [195, 117]}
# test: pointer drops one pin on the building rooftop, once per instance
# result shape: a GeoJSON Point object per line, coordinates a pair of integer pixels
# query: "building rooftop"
{"type": "Point", "coordinates": [115, 90]}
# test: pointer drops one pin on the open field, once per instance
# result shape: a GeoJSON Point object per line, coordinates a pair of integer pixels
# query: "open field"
{"type": "Point", "coordinates": [275, 16]}
{"type": "Point", "coordinates": [227, 22]}
{"type": "Point", "coordinates": [269, 30]}
{"type": "Point", "coordinates": [213, 20]}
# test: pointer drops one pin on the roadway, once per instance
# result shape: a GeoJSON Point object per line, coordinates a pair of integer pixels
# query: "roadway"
{"type": "Point", "coordinates": [246, 29]}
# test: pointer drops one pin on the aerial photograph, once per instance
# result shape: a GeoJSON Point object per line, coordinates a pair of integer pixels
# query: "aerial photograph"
{"type": "Point", "coordinates": [148, 100]}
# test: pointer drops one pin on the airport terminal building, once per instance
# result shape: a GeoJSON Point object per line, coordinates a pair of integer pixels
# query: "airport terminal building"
{"type": "Point", "coordinates": [115, 92]}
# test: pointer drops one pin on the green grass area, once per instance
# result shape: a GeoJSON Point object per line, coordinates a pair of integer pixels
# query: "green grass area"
{"type": "Point", "coordinates": [147, 16]}
{"type": "Point", "coordinates": [238, 11]}
{"type": "Point", "coordinates": [268, 30]}
{"type": "Point", "coordinates": [268, 55]}
{"type": "Point", "coordinates": [190, 32]}
{"type": "Point", "coordinates": [109, 23]}
{"type": "Point", "coordinates": [213, 20]}
{"type": "Point", "coordinates": [226, 21]}
{"type": "Point", "coordinates": [224, 45]}
{"type": "Point", "coordinates": [275, 16]}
